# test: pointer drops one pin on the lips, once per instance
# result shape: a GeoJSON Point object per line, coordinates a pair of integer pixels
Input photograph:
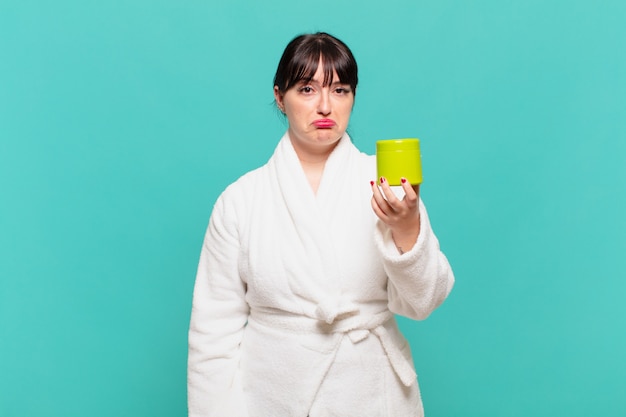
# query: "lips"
{"type": "Point", "coordinates": [324, 123]}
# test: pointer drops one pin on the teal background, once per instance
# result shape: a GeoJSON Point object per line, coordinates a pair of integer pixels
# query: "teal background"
{"type": "Point", "coordinates": [121, 122]}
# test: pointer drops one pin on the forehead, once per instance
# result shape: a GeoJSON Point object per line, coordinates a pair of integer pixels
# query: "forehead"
{"type": "Point", "coordinates": [320, 72]}
{"type": "Point", "coordinates": [325, 74]}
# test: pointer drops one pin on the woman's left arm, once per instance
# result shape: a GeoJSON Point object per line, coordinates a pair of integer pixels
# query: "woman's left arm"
{"type": "Point", "coordinates": [420, 276]}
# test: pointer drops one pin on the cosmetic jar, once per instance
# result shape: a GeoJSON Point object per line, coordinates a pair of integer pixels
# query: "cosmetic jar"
{"type": "Point", "coordinates": [397, 158]}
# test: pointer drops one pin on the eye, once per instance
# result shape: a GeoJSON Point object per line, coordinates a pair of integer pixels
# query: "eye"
{"type": "Point", "coordinates": [306, 89]}
{"type": "Point", "coordinates": [342, 90]}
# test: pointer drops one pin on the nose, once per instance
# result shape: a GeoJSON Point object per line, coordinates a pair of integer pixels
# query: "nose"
{"type": "Point", "coordinates": [324, 105]}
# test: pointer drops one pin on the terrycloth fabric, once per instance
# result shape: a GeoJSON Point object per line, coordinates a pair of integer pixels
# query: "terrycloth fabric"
{"type": "Point", "coordinates": [295, 295]}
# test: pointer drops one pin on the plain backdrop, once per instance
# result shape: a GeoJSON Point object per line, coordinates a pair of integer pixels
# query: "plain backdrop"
{"type": "Point", "coordinates": [122, 121]}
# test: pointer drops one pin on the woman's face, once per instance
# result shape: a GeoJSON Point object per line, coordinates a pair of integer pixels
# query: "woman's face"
{"type": "Point", "coordinates": [318, 115]}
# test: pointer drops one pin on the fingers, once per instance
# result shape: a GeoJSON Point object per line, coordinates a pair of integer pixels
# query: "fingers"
{"type": "Point", "coordinates": [411, 192]}
{"type": "Point", "coordinates": [386, 204]}
{"type": "Point", "coordinates": [401, 216]}
{"type": "Point", "coordinates": [379, 202]}
{"type": "Point", "coordinates": [392, 201]}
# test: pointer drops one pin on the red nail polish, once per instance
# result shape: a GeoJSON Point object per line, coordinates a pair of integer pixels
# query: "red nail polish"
{"type": "Point", "coordinates": [382, 179]}
{"type": "Point", "coordinates": [403, 180]}
{"type": "Point", "coordinates": [372, 183]}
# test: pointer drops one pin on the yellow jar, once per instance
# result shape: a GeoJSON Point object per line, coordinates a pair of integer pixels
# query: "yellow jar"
{"type": "Point", "coordinates": [397, 158]}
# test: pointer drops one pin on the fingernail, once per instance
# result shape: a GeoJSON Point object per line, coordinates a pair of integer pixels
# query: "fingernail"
{"type": "Point", "coordinates": [382, 179]}
{"type": "Point", "coordinates": [403, 180]}
{"type": "Point", "coordinates": [372, 183]}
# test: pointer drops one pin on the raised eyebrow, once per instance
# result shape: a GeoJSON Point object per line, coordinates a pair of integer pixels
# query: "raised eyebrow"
{"type": "Point", "coordinates": [316, 83]}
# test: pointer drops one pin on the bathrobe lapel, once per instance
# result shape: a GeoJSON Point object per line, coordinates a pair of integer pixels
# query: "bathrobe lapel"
{"type": "Point", "coordinates": [319, 222]}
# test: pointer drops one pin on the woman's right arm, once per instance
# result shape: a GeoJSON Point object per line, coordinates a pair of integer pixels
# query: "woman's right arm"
{"type": "Point", "coordinates": [218, 316]}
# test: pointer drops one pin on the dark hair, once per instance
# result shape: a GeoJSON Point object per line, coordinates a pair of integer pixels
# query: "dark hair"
{"type": "Point", "coordinates": [301, 58]}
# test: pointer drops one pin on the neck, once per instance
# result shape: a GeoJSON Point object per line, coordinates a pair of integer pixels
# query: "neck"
{"type": "Point", "coordinates": [313, 162]}
{"type": "Point", "coordinates": [313, 155]}
{"type": "Point", "coordinates": [313, 172]}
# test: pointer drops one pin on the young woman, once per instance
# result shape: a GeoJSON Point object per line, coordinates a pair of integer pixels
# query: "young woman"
{"type": "Point", "coordinates": [304, 263]}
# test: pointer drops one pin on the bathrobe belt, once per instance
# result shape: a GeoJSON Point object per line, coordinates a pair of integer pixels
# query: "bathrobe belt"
{"type": "Point", "coordinates": [348, 321]}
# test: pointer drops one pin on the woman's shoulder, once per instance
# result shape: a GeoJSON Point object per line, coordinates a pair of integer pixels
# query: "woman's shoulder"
{"type": "Point", "coordinates": [235, 202]}
{"type": "Point", "coordinates": [244, 186]}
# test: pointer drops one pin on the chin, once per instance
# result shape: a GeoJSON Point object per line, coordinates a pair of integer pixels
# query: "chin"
{"type": "Point", "coordinates": [330, 136]}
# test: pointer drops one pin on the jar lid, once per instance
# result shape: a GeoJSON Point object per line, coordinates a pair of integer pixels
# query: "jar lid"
{"type": "Point", "coordinates": [404, 144]}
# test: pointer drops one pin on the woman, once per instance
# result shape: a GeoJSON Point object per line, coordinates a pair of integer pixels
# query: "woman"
{"type": "Point", "coordinates": [304, 263]}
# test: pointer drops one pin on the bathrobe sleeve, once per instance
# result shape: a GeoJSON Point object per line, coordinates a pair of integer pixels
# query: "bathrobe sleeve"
{"type": "Point", "coordinates": [218, 316]}
{"type": "Point", "coordinates": [418, 280]}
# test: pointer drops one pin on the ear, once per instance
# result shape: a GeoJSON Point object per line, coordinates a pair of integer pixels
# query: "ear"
{"type": "Point", "coordinates": [278, 96]}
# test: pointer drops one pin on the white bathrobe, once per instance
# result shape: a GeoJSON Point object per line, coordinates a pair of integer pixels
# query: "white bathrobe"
{"type": "Point", "coordinates": [294, 301]}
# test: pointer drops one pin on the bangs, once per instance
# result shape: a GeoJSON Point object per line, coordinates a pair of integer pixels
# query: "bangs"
{"type": "Point", "coordinates": [305, 60]}
{"type": "Point", "coordinates": [305, 71]}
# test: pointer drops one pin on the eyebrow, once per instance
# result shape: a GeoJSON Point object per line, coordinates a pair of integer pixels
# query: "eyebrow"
{"type": "Point", "coordinates": [312, 80]}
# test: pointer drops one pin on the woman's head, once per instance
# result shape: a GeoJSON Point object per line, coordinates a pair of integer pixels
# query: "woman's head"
{"type": "Point", "coordinates": [303, 54]}
{"type": "Point", "coordinates": [314, 87]}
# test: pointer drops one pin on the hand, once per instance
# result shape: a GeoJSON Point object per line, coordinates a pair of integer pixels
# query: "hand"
{"type": "Point", "coordinates": [402, 216]}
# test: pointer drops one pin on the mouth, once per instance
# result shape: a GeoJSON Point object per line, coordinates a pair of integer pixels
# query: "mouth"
{"type": "Point", "coordinates": [324, 123]}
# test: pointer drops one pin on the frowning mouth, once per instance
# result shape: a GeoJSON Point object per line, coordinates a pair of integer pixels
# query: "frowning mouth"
{"type": "Point", "coordinates": [324, 123]}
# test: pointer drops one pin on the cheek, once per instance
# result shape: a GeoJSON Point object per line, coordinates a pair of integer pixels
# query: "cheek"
{"type": "Point", "coordinates": [296, 111]}
{"type": "Point", "coordinates": [346, 111]}
{"type": "Point", "coordinates": [296, 115]}
{"type": "Point", "coordinates": [296, 119]}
